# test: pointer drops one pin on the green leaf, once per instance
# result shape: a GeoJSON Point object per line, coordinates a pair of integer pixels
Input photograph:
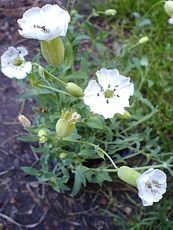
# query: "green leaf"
{"type": "Point", "coordinates": [89, 28]}
{"type": "Point", "coordinates": [77, 76]}
{"type": "Point", "coordinates": [88, 153]}
{"type": "Point", "coordinates": [69, 55]}
{"type": "Point", "coordinates": [79, 38]}
{"type": "Point", "coordinates": [79, 179]}
{"type": "Point", "coordinates": [95, 122]}
{"type": "Point", "coordinates": [31, 171]}
{"type": "Point", "coordinates": [73, 136]}
{"type": "Point", "coordinates": [97, 176]}
{"type": "Point", "coordinates": [101, 48]}
{"type": "Point", "coordinates": [33, 93]}
{"type": "Point", "coordinates": [84, 64]}
{"type": "Point", "coordinates": [100, 152]}
{"type": "Point", "coordinates": [28, 138]}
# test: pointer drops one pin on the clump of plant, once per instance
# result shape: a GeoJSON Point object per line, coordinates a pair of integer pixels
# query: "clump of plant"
{"type": "Point", "coordinates": [84, 114]}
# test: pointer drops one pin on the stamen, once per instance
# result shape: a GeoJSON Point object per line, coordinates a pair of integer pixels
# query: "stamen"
{"type": "Point", "coordinates": [154, 191]}
{"type": "Point", "coordinates": [116, 87]}
{"type": "Point", "coordinates": [107, 101]}
{"type": "Point", "coordinates": [118, 95]}
{"type": "Point", "coordinates": [98, 95]}
{"type": "Point", "coordinates": [157, 185]}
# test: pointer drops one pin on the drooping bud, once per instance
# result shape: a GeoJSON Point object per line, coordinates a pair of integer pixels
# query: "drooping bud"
{"type": "Point", "coordinates": [129, 175]}
{"type": "Point", "coordinates": [73, 12]}
{"type": "Point", "coordinates": [143, 40]}
{"type": "Point", "coordinates": [125, 116]}
{"type": "Point", "coordinates": [43, 135]}
{"type": "Point", "coordinates": [53, 51]}
{"type": "Point", "coordinates": [110, 12]}
{"type": "Point", "coordinates": [24, 121]}
{"type": "Point", "coordinates": [74, 89]}
{"type": "Point", "coordinates": [168, 7]}
{"type": "Point", "coordinates": [66, 123]}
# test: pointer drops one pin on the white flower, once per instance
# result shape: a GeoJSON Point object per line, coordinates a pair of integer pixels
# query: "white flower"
{"type": "Point", "coordinates": [45, 23]}
{"type": "Point", "coordinates": [13, 63]}
{"type": "Point", "coordinates": [110, 95]}
{"type": "Point", "coordinates": [170, 21]}
{"type": "Point", "coordinates": [151, 186]}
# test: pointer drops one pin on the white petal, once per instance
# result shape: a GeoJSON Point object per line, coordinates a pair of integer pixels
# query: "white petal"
{"type": "Point", "coordinates": [126, 88]}
{"type": "Point", "coordinates": [90, 93]}
{"type": "Point", "coordinates": [23, 51]}
{"type": "Point", "coordinates": [149, 172]}
{"type": "Point", "coordinates": [28, 67]}
{"type": "Point", "coordinates": [91, 97]}
{"type": "Point", "coordinates": [8, 56]}
{"type": "Point", "coordinates": [108, 78]}
{"type": "Point", "coordinates": [159, 176]}
{"type": "Point", "coordinates": [146, 202]}
{"type": "Point", "coordinates": [170, 21]}
{"type": "Point", "coordinates": [7, 71]}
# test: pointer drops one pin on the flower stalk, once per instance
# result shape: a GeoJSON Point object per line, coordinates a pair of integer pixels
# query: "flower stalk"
{"type": "Point", "coordinates": [52, 88]}
{"type": "Point", "coordinates": [44, 71]}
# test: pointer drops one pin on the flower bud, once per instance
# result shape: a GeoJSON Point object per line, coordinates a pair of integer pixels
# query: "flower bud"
{"type": "Point", "coordinates": [43, 136]}
{"type": "Point", "coordinates": [73, 12]}
{"type": "Point", "coordinates": [63, 156]}
{"type": "Point", "coordinates": [53, 51]}
{"type": "Point", "coordinates": [143, 40]}
{"type": "Point", "coordinates": [74, 89]}
{"type": "Point", "coordinates": [24, 121]}
{"type": "Point", "coordinates": [66, 124]}
{"type": "Point", "coordinates": [168, 7]}
{"type": "Point", "coordinates": [125, 116]}
{"type": "Point", "coordinates": [128, 175]}
{"type": "Point", "coordinates": [41, 71]}
{"type": "Point", "coordinates": [110, 12]}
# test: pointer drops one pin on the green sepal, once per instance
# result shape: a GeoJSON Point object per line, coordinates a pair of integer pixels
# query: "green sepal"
{"type": "Point", "coordinates": [53, 51]}
{"type": "Point", "coordinates": [128, 175]}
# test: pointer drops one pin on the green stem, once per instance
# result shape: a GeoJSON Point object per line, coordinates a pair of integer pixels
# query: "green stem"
{"type": "Point", "coordinates": [109, 159]}
{"type": "Point", "coordinates": [96, 147]}
{"type": "Point", "coordinates": [164, 165]}
{"type": "Point", "coordinates": [153, 6]}
{"type": "Point", "coordinates": [55, 78]}
{"type": "Point", "coordinates": [50, 74]}
{"type": "Point", "coordinates": [145, 118]}
{"type": "Point", "coordinates": [51, 88]}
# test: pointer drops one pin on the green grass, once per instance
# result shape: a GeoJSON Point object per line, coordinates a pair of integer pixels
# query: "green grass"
{"type": "Point", "coordinates": [156, 86]}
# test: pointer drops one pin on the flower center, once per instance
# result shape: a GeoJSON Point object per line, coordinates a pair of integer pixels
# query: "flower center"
{"type": "Point", "coordinates": [151, 187]}
{"type": "Point", "coordinates": [18, 61]}
{"type": "Point", "coordinates": [109, 93]}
